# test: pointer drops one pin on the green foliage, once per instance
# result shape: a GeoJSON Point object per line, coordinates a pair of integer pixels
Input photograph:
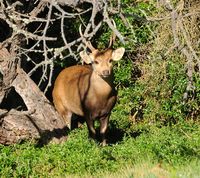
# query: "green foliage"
{"type": "Point", "coordinates": [136, 29]}
{"type": "Point", "coordinates": [123, 73]}
{"type": "Point", "coordinates": [176, 145]}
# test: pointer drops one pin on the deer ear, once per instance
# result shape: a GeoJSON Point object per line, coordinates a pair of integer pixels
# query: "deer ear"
{"type": "Point", "coordinates": [85, 57]}
{"type": "Point", "coordinates": [117, 54]}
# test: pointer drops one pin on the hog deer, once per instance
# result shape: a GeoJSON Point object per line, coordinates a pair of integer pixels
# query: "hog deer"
{"type": "Point", "coordinates": [88, 90]}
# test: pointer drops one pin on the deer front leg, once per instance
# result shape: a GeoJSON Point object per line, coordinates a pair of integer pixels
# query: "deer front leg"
{"type": "Point", "coordinates": [91, 129]}
{"type": "Point", "coordinates": [103, 129]}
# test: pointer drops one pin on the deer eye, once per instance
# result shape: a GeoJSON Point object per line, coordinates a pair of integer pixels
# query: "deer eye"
{"type": "Point", "coordinates": [110, 61]}
{"type": "Point", "coordinates": [96, 62]}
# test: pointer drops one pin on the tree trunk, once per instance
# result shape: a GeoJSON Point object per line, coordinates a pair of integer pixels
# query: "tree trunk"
{"type": "Point", "coordinates": [40, 122]}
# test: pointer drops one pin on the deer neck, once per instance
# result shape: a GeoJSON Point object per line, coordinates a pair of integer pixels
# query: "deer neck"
{"type": "Point", "coordinates": [101, 86]}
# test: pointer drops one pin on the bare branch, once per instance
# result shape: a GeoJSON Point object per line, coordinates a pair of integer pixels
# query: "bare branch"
{"type": "Point", "coordinates": [42, 37]}
{"type": "Point", "coordinates": [108, 21]}
{"type": "Point", "coordinates": [182, 42]}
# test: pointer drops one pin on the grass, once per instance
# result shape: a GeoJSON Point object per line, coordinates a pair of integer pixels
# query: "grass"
{"type": "Point", "coordinates": [155, 152]}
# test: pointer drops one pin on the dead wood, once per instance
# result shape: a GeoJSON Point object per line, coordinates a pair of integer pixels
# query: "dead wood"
{"type": "Point", "coordinates": [40, 121]}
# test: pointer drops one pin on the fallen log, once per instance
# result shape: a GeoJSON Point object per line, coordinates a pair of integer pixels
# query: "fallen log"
{"type": "Point", "coordinates": [38, 120]}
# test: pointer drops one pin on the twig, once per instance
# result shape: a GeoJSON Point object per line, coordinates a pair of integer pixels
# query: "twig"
{"type": "Point", "coordinates": [108, 21]}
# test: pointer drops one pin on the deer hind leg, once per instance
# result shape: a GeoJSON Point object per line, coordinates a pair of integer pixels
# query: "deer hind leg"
{"type": "Point", "coordinates": [67, 116]}
{"type": "Point", "coordinates": [77, 121]}
{"type": "Point", "coordinates": [64, 112]}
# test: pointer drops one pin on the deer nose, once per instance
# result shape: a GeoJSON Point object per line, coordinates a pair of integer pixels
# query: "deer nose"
{"type": "Point", "coordinates": [106, 72]}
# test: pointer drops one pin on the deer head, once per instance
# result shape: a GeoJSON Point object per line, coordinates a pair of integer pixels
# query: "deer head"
{"type": "Point", "coordinates": [101, 60]}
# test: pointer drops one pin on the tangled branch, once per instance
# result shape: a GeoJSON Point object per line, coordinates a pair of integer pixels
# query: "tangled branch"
{"type": "Point", "coordinates": [32, 32]}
